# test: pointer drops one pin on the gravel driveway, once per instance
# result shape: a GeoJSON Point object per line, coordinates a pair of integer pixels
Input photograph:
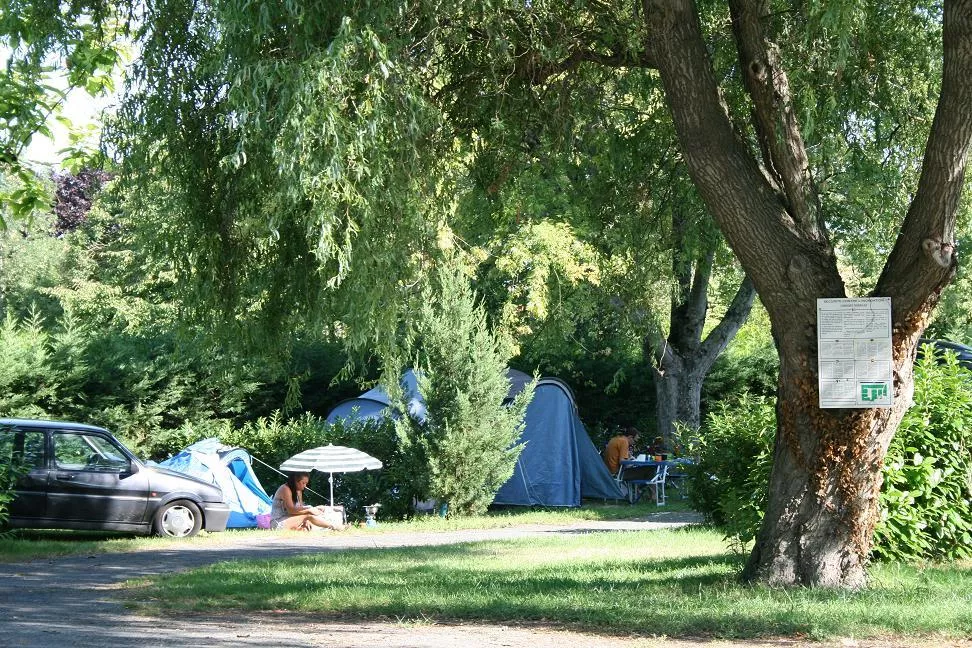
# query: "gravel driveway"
{"type": "Point", "coordinates": [76, 601]}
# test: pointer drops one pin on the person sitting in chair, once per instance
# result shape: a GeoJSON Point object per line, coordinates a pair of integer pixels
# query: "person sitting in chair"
{"type": "Point", "coordinates": [289, 511]}
{"type": "Point", "coordinates": [619, 449]}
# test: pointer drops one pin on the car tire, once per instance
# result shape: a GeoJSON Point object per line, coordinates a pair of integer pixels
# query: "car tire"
{"type": "Point", "coordinates": [177, 519]}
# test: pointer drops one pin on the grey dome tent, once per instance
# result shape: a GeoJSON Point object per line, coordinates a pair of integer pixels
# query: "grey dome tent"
{"type": "Point", "coordinates": [559, 464]}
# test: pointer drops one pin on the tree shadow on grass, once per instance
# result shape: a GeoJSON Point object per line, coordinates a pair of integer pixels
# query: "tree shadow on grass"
{"type": "Point", "coordinates": [650, 597]}
{"type": "Point", "coordinates": [695, 596]}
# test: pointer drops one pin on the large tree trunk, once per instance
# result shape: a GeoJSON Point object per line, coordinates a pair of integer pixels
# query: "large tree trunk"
{"type": "Point", "coordinates": [825, 481]}
{"type": "Point", "coordinates": [678, 392]}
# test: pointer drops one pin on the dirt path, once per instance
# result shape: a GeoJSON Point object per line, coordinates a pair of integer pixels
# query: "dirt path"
{"type": "Point", "coordinates": [76, 601]}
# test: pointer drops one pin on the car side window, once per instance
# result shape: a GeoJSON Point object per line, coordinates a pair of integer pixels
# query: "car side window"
{"type": "Point", "coordinates": [81, 451]}
{"type": "Point", "coordinates": [23, 449]}
{"type": "Point", "coordinates": [33, 448]}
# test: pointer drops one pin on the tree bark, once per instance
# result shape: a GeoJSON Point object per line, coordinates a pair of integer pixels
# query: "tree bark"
{"type": "Point", "coordinates": [678, 392]}
{"type": "Point", "coordinates": [825, 481]}
{"type": "Point", "coordinates": [682, 361]}
{"type": "Point", "coordinates": [826, 477]}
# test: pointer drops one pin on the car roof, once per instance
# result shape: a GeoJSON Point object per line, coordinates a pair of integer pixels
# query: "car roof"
{"type": "Point", "coordinates": [962, 352]}
{"type": "Point", "coordinates": [947, 344]}
{"type": "Point", "coordinates": [62, 425]}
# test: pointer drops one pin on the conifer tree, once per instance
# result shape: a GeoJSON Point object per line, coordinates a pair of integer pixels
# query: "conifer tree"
{"type": "Point", "coordinates": [469, 436]}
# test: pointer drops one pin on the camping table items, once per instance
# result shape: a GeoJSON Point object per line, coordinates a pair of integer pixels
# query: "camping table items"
{"type": "Point", "coordinates": [371, 512]}
{"type": "Point", "coordinates": [331, 459]}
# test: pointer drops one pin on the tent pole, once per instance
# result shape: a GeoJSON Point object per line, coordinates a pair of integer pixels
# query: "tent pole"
{"type": "Point", "coordinates": [330, 480]}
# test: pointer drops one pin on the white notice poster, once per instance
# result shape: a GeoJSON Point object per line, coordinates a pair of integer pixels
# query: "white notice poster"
{"type": "Point", "coordinates": [854, 352]}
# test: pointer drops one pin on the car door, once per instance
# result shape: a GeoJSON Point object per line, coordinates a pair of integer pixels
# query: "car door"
{"type": "Point", "coordinates": [23, 454]}
{"type": "Point", "coordinates": [94, 481]}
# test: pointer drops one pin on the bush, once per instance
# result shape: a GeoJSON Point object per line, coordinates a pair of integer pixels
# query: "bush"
{"type": "Point", "coordinates": [925, 500]}
{"type": "Point", "coordinates": [12, 468]}
{"type": "Point", "coordinates": [469, 436]}
{"type": "Point", "coordinates": [8, 478]}
{"type": "Point", "coordinates": [728, 483]}
{"type": "Point", "coordinates": [137, 386]}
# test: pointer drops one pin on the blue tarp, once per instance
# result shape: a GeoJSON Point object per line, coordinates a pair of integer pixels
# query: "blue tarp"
{"type": "Point", "coordinates": [559, 464]}
{"type": "Point", "coordinates": [230, 469]}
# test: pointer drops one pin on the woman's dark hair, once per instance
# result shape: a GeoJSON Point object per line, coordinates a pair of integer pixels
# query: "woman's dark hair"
{"type": "Point", "coordinates": [292, 479]}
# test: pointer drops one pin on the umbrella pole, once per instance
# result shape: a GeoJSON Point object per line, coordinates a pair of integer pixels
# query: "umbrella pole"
{"type": "Point", "coordinates": [330, 480]}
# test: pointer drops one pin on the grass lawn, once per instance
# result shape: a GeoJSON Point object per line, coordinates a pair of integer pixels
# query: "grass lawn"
{"type": "Point", "coordinates": [673, 582]}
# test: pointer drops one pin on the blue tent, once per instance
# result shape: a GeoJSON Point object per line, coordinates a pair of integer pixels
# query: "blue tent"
{"type": "Point", "coordinates": [559, 464]}
{"type": "Point", "coordinates": [230, 469]}
{"type": "Point", "coordinates": [375, 403]}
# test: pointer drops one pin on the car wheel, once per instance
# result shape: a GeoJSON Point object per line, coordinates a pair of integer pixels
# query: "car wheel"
{"type": "Point", "coordinates": [177, 519]}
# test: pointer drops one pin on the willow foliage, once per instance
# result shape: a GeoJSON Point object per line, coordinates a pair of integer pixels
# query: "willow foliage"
{"type": "Point", "coordinates": [290, 148]}
{"type": "Point", "coordinates": [305, 156]}
{"type": "Point", "coordinates": [299, 160]}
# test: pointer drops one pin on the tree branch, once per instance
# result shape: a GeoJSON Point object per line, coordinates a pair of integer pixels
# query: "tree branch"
{"type": "Point", "coordinates": [924, 258]}
{"type": "Point", "coordinates": [732, 321]}
{"type": "Point", "coordinates": [773, 114]}
{"type": "Point", "coordinates": [532, 68]}
{"type": "Point", "coordinates": [691, 303]}
{"type": "Point", "coordinates": [775, 251]}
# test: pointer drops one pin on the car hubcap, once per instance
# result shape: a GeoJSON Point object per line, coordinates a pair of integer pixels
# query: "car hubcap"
{"type": "Point", "coordinates": [178, 521]}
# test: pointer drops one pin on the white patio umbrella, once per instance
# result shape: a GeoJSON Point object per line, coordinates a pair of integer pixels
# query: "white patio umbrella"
{"type": "Point", "coordinates": [331, 459]}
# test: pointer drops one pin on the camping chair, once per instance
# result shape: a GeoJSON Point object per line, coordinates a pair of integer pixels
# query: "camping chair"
{"type": "Point", "coordinates": [655, 482]}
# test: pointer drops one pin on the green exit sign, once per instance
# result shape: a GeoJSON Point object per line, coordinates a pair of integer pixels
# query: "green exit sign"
{"type": "Point", "coordinates": [874, 391]}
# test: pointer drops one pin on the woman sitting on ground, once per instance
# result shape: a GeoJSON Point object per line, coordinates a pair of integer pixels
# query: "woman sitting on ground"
{"type": "Point", "coordinates": [290, 512]}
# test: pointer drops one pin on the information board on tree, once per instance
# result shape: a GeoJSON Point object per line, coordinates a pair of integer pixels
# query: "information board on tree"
{"type": "Point", "coordinates": [854, 352]}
